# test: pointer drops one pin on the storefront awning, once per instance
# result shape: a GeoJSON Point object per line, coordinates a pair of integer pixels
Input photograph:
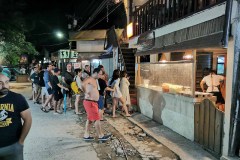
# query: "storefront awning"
{"type": "Point", "coordinates": [88, 35]}
{"type": "Point", "coordinates": [204, 35]}
{"type": "Point", "coordinates": [213, 41]}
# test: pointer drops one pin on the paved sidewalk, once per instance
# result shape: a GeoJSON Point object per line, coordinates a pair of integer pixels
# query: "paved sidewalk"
{"type": "Point", "coordinates": [53, 136]}
{"type": "Point", "coordinates": [184, 148]}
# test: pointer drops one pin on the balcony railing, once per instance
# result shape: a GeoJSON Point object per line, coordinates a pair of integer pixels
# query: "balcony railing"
{"type": "Point", "coordinates": [157, 13]}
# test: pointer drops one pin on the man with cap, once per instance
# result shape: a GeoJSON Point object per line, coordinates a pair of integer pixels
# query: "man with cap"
{"type": "Point", "coordinates": [15, 120]}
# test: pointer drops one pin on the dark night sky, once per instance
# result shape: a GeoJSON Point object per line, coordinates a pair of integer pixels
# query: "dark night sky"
{"type": "Point", "coordinates": [48, 16]}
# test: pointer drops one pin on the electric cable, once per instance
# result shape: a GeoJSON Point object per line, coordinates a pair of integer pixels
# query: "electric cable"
{"type": "Point", "coordinates": [106, 15]}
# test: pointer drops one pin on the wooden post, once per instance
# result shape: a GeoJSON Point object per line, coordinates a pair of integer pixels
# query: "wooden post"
{"type": "Point", "coordinates": [193, 73]}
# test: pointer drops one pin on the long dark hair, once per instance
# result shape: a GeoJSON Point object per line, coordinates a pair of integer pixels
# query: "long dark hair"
{"type": "Point", "coordinates": [116, 75]}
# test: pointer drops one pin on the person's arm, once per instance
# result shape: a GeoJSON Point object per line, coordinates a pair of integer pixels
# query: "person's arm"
{"type": "Point", "coordinates": [202, 87]}
{"type": "Point", "coordinates": [27, 122]}
{"type": "Point", "coordinates": [109, 89]}
{"type": "Point", "coordinates": [61, 86]}
{"type": "Point", "coordinates": [32, 77]}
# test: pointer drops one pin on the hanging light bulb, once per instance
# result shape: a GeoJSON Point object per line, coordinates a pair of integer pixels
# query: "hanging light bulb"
{"type": "Point", "coordinates": [163, 58]}
{"type": "Point", "coordinates": [116, 1]}
{"type": "Point", "coordinates": [187, 56]}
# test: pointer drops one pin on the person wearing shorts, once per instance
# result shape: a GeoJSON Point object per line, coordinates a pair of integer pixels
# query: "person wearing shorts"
{"type": "Point", "coordinates": [90, 88]}
{"type": "Point", "coordinates": [102, 87]}
{"type": "Point", "coordinates": [48, 87]}
{"type": "Point", "coordinates": [57, 94]}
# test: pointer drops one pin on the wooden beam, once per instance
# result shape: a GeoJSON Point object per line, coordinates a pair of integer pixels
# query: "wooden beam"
{"type": "Point", "coordinates": [194, 69]}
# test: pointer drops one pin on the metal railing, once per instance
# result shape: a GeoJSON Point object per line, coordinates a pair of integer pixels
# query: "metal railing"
{"type": "Point", "coordinates": [157, 13]}
{"type": "Point", "coordinates": [113, 40]}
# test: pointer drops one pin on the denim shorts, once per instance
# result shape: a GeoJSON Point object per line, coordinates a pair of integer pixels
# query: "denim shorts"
{"type": "Point", "coordinates": [101, 102]}
{"type": "Point", "coordinates": [12, 152]}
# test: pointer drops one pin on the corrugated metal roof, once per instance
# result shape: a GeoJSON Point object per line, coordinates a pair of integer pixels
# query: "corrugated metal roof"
{"type": "Point", "coordinates": [91, 35]}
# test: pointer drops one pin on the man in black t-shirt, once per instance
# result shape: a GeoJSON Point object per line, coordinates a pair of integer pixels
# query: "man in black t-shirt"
{"type": "Point", "coordinates": [68, 77]}
{"type": "Point", "coordinates": [13, 109]}
{"type": "Point", "coordinates": [102, 88]}
{"type": "Point", "coordinates": [58, 96]}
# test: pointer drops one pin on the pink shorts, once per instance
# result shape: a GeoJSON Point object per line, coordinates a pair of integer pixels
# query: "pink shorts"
{"type": "Point", "coordinates": [91, 108]}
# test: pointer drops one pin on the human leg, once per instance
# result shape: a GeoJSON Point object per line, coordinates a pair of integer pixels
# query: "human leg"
{"type": "Point", "coordinates": [76, 104]}
{"type": "Point", "coordinates": [124, 106]}
{"type": "Point", "coordinates": [115, 101]}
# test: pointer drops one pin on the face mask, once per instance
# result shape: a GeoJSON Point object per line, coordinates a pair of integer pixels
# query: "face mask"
{"type": "Point", "coordinates": [4, 92]}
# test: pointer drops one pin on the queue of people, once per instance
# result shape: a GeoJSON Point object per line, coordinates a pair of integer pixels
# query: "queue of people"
{"type": "Point", "coordinates": [91, 92]}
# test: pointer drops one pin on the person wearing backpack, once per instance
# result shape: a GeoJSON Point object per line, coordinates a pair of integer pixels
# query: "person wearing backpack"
{"type": "Point", "coordinates": [77, 87]}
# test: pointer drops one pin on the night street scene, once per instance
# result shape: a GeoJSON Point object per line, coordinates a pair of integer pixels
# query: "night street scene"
{"type": "Point", "coordinates": [120, 80]}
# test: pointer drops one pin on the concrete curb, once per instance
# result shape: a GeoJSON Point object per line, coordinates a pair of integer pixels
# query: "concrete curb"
{"type": "Point", "coordinates": [178, 148]}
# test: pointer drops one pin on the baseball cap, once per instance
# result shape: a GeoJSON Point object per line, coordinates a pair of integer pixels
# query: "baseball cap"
{"type": "Point", "coordinates": [5, 72]}
{"type": "Point", "coordinates": [56, 70]}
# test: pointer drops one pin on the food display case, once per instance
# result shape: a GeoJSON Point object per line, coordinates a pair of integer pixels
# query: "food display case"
{"type": "Point", "coordinates": [166, 94]}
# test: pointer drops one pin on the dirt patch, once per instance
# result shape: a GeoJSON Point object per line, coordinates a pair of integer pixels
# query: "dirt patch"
{"type": "Point", "coordinates": [127, 142]}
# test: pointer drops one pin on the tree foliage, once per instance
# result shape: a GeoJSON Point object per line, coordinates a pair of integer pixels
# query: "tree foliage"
{"type": "Point", "coordinates": [12, 39]}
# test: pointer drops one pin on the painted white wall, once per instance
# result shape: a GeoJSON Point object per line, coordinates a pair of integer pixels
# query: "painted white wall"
{"type": "Point", "coordinates": [90, 46]}
{"type": "Point", "coordinates": [108, 63]}
{"type": "Point", "coordinates": [195, 19]}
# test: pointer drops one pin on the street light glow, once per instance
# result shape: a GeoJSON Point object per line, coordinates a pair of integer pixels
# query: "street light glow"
{"type": "Point", "coordinates": [59, 34]}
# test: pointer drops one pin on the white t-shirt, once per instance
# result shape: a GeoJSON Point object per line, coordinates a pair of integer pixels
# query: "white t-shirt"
{"type": "Point", "coordinates": [213, 81]}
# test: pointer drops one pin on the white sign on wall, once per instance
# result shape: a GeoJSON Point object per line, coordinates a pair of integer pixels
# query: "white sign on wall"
{"type": "Point", "coordinates": [64, 53]}
{"type": "Point", "coordinates": [77, 65]}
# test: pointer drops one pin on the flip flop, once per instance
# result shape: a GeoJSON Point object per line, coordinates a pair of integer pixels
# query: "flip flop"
{"type": "Point", "coordinates": [44, 110]}
{"type": "Point", "coordinates": [128, 116]}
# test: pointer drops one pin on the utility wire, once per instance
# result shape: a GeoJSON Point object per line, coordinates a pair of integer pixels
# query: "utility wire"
{"type": "Point", "coordinates": [90, 19]}
{"type": "Point", "coordinates": [55, 44]}
{"type": "Point", "coordinates": [106, 15]}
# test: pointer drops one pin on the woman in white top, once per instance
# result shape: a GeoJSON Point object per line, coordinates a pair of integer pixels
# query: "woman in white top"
{"type": "Point", "coordinates": [116, 94]}
{"type": "Point", "coordinates": [78, 80]}
{"type": "Point", "coordinates": [124, 88]}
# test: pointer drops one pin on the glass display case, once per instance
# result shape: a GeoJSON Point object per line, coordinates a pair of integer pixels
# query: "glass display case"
{"type": "Point", "coordinates": [170, 77]}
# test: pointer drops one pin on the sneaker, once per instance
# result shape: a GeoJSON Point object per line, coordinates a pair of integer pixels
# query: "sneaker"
{"type": "Point", "coordinates": [105, 138]}
{"type": "Point", "coordinates": [88, 138]}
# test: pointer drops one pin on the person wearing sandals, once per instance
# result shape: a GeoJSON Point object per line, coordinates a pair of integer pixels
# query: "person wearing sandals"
{"type": "Point", "coordinates": [78, 80]}
{"type": "Point", "coordinates": [48, 86]}
{"type": "Point", "coordinates": [58, 96]}
{"type": "Point", "coordinates": [90, 88]}
{"type": "Point", "coordinates": [124, 88]}
{"type": "Point", "coordinates": [67, 79]}
{"type": "Point", "coordinates": [116, 94]}
{"type": "Point", "coordinates": [102, 88]}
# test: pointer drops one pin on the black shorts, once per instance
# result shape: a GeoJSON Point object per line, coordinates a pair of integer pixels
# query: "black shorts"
{"type": "Point", "coordinates": [69, 92]}
{"type": "Point", "coordinates": [219, 96]}
{"type": "Point", "coordinates": [57, 95]}
{"type": "Point", "coordinates": [50, 91]}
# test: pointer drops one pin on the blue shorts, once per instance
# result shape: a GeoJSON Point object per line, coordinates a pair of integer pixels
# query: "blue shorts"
{"type": "Point", "coordinates": [101, 102]}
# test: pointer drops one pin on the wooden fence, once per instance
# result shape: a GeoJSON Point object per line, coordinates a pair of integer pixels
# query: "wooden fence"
{"type": "Point", "coordinates": [208, 126]}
